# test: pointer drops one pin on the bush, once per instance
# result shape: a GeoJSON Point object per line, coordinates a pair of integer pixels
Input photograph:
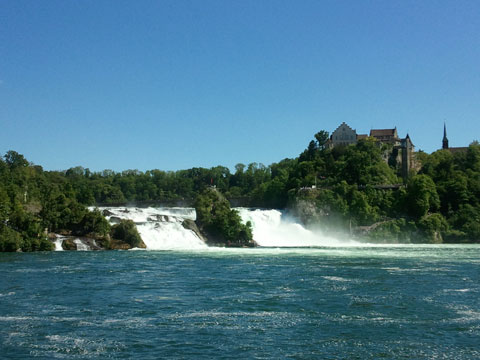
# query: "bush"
{"type": "Point", "coordinates": [432, 227]}
{"type": "Point", "coordinates": [127, 231]}
{"type": "Point", "coordinates": [10, 240]}
{"type": "Point", "coordinates": [41, 244]}
{"type": "Point", "coordinates": [393, 231]}
{"type": "Point", "coordinates": [220, 222]}
{"type": "Point", "coordinates": [94, 222]}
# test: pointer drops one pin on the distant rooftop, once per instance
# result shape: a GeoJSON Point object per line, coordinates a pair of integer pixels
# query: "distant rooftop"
{"type": "Point", "coordinates": [457, 149]}
{"type": "Point", "coordinates": [383, 132]}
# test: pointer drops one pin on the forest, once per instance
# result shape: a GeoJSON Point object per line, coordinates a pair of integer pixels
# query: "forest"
{"type": "Point", "coordinates": [351, 188]}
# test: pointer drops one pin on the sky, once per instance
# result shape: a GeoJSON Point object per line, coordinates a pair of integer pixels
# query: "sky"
{"type": "Point", "coordinates": [172, 84]}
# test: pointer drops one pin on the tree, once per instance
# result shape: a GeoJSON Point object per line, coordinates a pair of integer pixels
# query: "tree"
{"type": "Point", "coordinates": [219, 222]}
{"type": "Point", "coordinates": [10, 240]}
{"type": "Point", "coordinates": [4, 205]}
{"type": "Point", "coordinates": [432, 227]}
{"type": "Point", "coordinates": [94, 222]}
{"type": "Point", "coordinates": [239, 168]}
{"type": "Point", "coordinates": [127, 231]}
{"type": "Point", "coordinates": [360, 209]}
{"type": "Point", "coordinates": [322, 137]}
{"type": "Point", "coordinates": [467, 220]}
{"type": "Point", "coordinates": [422, 196]}
{"type": "Point", "coordinates": [15, 160]}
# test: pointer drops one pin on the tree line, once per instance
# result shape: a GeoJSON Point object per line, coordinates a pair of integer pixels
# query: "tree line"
{"type": "Point", "coordinates": [343, 186]}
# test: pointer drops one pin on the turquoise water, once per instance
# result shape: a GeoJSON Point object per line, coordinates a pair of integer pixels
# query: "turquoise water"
{"type": "Point", "coordinates": [410, 302]}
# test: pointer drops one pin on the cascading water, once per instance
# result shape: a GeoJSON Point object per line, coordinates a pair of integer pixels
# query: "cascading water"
{"type": "Point", "coordinates": [81, 246]}
{"type": "Point", "coordinates": [59, 242]}
{"type": "Point", "coordinates": [159, 228]}
{"type": "Point", "coordinates": [271, 228]}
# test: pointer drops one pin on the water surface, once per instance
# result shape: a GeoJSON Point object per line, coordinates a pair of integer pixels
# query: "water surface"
{"type": "Point", "coordinates": [409, 302]}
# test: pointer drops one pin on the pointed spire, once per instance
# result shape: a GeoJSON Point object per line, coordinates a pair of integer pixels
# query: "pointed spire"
{"type": "Point", "coordinates": [445, 139]}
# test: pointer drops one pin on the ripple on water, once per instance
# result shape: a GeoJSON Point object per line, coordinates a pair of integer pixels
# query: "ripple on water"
{"type": "Point", "coordinates": [410, 302]}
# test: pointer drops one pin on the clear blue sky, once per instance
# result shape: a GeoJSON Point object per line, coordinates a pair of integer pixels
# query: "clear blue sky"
{"type": "Point", "coordinates": [177, 84]}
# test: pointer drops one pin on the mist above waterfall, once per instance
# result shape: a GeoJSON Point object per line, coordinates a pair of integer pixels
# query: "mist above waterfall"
{"type": "Point", "coordinates": [161, 228]}
{"type": "Point", "coordinates": [272, 228]}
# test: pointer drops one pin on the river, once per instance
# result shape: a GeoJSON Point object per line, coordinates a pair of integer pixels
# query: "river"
{"type": "Point", "coordinates": [353, 302]}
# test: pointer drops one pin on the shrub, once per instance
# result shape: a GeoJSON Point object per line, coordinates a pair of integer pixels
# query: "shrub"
{"type": "Point", "coordinates": [127, 231]}
{"type": "Point", "coordinates": [10, 240]}
{"type": "Point", "coordinates": [220, 222]}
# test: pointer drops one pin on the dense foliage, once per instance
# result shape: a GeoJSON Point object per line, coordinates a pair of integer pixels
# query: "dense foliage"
{"type": "Point", "coordinates": [34, 202]}
{"type": "Point", "coordinates": [221, 224]}
{"type": "Point", "coordinates": [438, 203]}
{"type": "Point", "coordinates": [126, 231]}
{"type": "Point", "coordinates": [357, 188]}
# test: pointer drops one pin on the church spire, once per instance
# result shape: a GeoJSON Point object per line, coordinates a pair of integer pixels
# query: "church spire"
{"type": "Point", "coordinates": [445, 140]}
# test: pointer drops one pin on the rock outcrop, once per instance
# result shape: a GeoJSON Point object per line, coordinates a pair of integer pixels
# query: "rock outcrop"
{"type": "Point", "coordinates": [190, 225]}
{"type": "Point", "coordinates": [219, 224]}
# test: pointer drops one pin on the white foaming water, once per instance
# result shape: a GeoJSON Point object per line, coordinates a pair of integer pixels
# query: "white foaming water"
{"type": "Point", "coordinates": [272, 229]}
{"type": "Point", "coordinates": [160, 228]}
{"type": "Point", "coordinates": [81, 246]}
{"type": "Point", "coordinates": [58, 243]}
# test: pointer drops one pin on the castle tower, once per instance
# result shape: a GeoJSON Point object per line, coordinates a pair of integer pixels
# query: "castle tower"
{"type": "Point", "coordinates": [407, 156]}
{"type": "Point", "coordinates": [445, 140]}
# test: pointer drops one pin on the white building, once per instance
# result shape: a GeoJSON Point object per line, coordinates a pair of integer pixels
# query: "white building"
{"type": "Point", "coordinates": [343, 135]}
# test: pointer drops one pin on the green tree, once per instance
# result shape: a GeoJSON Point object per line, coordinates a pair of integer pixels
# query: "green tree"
{"type": "Point", "coordinates": [4, 205]}
{"type": "Point", "coordinates": [221, 223]}
{"type": "Point", "coordinates": [93, 222]}
{"type": "Point", "coordinates": [322, 137]}
{"type": "Point", "coordinates": [433, 226]}
{"type": "Point", "coordinates": [15, 160]}
{"type": "Point", "coordinates": [422, 196]}
{"type": "Point", "coordinates": [127, 231]}
{"type": "Point", "coordinates": [10, 240]}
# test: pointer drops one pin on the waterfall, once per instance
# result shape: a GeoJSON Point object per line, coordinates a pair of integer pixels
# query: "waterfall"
{"type": "Point", "coordinates": [160, 228]}
{"type": "Point", "coordinates": [58, 243]}
{"type": "Point", "coordinates": [81, 246]}
{"type": "Point", "coordinates": [271, 228]}
{"type": "Point", "coordinates": [169, 235]}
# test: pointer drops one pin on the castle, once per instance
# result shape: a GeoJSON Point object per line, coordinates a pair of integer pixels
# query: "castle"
{"type": "Point", "coordinates": [400, 153]}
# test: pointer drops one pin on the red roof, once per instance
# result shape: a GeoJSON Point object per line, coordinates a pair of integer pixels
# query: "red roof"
{"type": "Point", "coordinates": [382, 132]}
{"type": "Point", "coordinates": [457, 149]}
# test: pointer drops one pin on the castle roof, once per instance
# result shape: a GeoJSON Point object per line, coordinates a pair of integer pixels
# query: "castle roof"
{"type": "Point", "coordinates": [343, 124]}
{"type": "Point", "coordinates": [407, 140]}
{"type": "Point", "coordinates": [383, 132]}
{"type": "Point", "coordinates": [457, 149]}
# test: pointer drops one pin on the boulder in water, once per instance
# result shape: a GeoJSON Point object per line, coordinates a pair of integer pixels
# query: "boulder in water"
{"type": "Point", "coordinates": [115, 220]}
{"type": "Point", "coordinates": [190, 225]}
{"type": "Point", "coordinates": [68, 244]}
{"type": "Point", "coordinates": [107, 212]}
{"type": "Point", "coordinates": [162, 218]}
